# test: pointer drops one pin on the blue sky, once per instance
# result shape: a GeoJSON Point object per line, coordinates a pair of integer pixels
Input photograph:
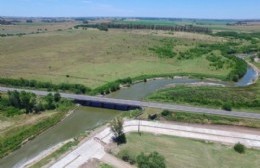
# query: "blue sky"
{"type": "Point", "coordinates": [219, 9]}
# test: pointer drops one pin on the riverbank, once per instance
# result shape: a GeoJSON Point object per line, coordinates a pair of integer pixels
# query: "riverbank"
{"type": "Point", "coordinates": [25, 134]}
{"type": "Point", "coordinates": [45, 153]}
{"type": "Point", "coordinates": [84, 118]}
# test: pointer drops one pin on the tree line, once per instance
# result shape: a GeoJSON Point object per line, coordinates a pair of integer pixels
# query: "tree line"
{"type": "Point", "coordinates": [15, 103]}
{"type": "Point", "coordinates": [66, 87]}
{"type": "Point", "coordinates": [186, 28]}
{"type": "Point", "coordinates": [75, 88]}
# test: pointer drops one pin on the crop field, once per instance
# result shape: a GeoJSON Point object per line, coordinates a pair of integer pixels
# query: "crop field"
{"type": "Point", "coordinates": [34, 27]}
{"type": "Point", "coordinates": [181, 152]}
{"type": "Point", "coordinates": [216, 25]}
{"type": "Point", "coordinates": [93, 58]}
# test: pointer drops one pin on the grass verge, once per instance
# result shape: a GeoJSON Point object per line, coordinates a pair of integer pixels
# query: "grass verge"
{"type": "Point", "coordinates": [200, 118]}
{"type": "Point", "coordinates": [55, 155]}
{"type": "Point", "coordinates": [181, 152]}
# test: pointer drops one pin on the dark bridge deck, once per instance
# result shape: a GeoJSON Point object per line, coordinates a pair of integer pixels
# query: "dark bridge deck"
{"type": "Point", "coordinates": [107, 105]}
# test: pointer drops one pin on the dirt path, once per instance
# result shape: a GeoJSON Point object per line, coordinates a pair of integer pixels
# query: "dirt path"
{"type": "Point", "coordinates": [117, 163]}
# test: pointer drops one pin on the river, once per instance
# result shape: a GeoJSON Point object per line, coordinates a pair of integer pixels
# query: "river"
{"type": "Point", "coordinates": [83, 119]}
{"type": "Point", "coordinates": [87, 118]}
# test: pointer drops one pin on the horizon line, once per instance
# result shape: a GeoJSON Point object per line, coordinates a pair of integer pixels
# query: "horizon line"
{"type": "Point", "coordinates": [151, 17]}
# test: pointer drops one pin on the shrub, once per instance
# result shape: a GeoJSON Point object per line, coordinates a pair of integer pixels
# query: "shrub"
{"type": "Point", "coordinates": [227, 107]}
{"type": "Point", "coordinates": [152, 116]}
{"type": "Point", "coordinates": [153, 160]}
{"type": "Point", "coordinates": [57, 97]}
{"type": "Point", "coordinates": [164, 51]}
{"type": "Point", "coordinates": [124, 155]}
{"type": "Point", "coordinates": [165, 113]}
{"type": "Point", "coordinates": [240, 148]}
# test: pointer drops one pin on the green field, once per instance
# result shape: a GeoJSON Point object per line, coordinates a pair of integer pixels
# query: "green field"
{"type": "Point", "coordinates": [246, 97]}
{"type": "Point", "coordinates": [93, 57]}
{"type": "Point", "coordinates": [215, 25]}
{"type": "Point", "coordinates": [180, 152]}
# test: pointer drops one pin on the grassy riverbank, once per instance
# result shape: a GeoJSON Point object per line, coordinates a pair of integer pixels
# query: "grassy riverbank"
{"type": "Point", "coordinates": [14, 138]}
{"type": "Point", "coordinates": [178, 150]}
{"type": "Point", "coordinates": [23, 116]}
{"type": "Point", "coordinates": [55, 155]}
{"type": "Point", "coordinates": [211, 96]}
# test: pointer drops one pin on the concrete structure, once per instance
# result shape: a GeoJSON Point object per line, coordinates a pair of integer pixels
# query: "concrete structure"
{"type": "Point", "coordinates": [95, 146]}
{"type": "Point", "coordinates": [131, 104]}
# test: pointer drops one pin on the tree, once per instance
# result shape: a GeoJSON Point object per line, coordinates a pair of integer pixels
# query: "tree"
{"type": "Point", "coordinates": [14, 99]}
{"type": "Point", "coordinates": [50, 101]}
{"type": "Point", "coordinates": [117, 129]}
{"type": "Point", "coordinates": [28, 101]}
{"type": "Point", "coordinates": [57, 97]}
{"type": "Point", "coordinates": [85, 22]}
{"type": "Point", "coordinates": [22, 100]}
{"type": "Point", "coordinates": [39, 107]}
{"type": "Point", "coordinates": [153, 160]}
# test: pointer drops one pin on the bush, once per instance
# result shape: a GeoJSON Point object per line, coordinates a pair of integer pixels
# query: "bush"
{"type": "Point", "coordinates": [227, 107]}
{"type": "Point", "coordinates": [165, 113]}
{"type": "Point", "coordinates": [152, 116]}
{"type": "Point", "coordinates": [240, 148]}
{"type": "Point", "coordinates": [125, 156]}
{"type": "Point", "coordinates": [153, 160]}
{"type": "Point", "coordinates": [164, 51]}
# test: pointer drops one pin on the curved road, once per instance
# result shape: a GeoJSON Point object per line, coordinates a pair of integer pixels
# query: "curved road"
{"type": "Point", "coordinates": [144, 104]}
{"type": "Point", "coordinates": [95, 146]}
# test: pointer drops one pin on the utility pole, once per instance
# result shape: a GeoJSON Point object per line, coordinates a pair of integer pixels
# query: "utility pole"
{"type": "Point", "coordinates": [139, 123]}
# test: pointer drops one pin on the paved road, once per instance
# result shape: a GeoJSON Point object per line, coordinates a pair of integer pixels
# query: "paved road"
{"type": "Point", "coordinates": [145, 104]}
{"type": "Point", "coordinates": [94, 147]}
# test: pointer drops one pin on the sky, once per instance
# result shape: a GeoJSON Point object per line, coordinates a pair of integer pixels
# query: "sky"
{"type": "Point", "coordinates": [207, 9]}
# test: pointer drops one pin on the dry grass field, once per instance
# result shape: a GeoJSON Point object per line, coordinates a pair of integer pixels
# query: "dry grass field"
{"type": "Point", "coordinates": [93, 57]}
{"type": "Point", "coordinates": [9, 124]}
{"type": "Point", "coordinates": [34, 27]}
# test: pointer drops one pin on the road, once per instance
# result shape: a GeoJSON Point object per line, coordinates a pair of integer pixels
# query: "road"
{"type": "Point", "coordinates": [164, 106]}
{"type": "Point", "coordinates": [95, 147]}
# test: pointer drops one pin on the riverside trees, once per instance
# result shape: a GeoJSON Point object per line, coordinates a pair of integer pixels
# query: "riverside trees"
{"type": "Point", "coordinates": [15, 103]}
{"type": "Point", "coordinates": [117, 129]}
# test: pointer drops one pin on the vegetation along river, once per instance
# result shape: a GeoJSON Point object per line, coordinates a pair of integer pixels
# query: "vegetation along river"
{"type": "Point", "coordinates": [87, 118]}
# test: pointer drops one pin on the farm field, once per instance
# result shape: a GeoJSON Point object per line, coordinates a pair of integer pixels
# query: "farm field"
{"type": "Point", "coordinates": [93, 58]}
{"type": "Point", "coordinates": [35, 27]}
{"type": "Point", "coordinates": [181, 152]}
{"type": "Point", "coordinates": [216, 25]}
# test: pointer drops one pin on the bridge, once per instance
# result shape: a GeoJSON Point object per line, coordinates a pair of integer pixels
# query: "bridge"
{"type": "Point", "coordinates": [120, 104]}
